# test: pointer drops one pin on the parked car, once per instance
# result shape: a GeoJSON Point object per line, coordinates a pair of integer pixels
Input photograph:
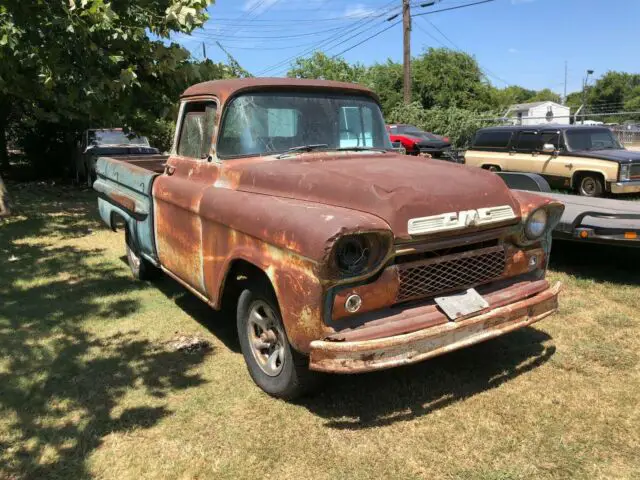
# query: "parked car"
{"type": "Point", "coordinates": [416, 141]}
{"type": "Point", "coordinates": [112, 142]}
{"type": "Point", "coordinates": [585, 220]}
{"type": "Point", "coordinates": [587, 159]}
{"type": "Point", "coordinates": [332, 252]}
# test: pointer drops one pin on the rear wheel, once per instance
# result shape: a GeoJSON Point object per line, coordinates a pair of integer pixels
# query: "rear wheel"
{"type": "Point", "coordinates": [272, 362]}
{"type": "Point", "coordinates": [590, 185]}
{"type": "Point", "coordinates": [492, 168]}
{"type": "Point", "coordinates": [141, 269]}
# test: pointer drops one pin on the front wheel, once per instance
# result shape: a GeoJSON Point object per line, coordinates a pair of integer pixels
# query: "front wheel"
{"type": "Point", "coordinates": [273, 364]}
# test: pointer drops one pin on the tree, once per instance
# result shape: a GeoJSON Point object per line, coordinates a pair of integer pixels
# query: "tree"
{"type": "Point", "coordinates": [545, 95]}
{"type": "Point", "coordinates": [447, 78]}
{"type": "Point", "coordinates": [386, 79]}
{"type": "Point", "coordinates": [68, 63]}
{"type": "Point", "coordinates": [5, 202]}
{"type": "Point", "coordinates": [323, 67]}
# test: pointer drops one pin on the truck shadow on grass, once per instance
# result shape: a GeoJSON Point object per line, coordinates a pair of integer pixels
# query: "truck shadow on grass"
{"type": "Point", "coordinates": [62, 386]}
{"type": "Point", "coordinates": [601, 263]}
{"type": "Point", "coordinates": [402, 394]}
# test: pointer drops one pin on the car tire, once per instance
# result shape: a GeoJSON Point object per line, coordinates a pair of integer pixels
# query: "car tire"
{"type": "Point", "coordinates": [91, 176]}
{"type": "Point", "coordinates": [492, 168]}
{"type": "Point", "coordinates": [590, 185]}
{"type": "Point", "coordinates": [272, 362]}
{"type": "Point", "coordinates": [141, 269]}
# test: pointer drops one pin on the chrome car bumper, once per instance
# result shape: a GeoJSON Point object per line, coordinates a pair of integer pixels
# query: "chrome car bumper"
{"type": "Point", "coordinates": [625, 187]}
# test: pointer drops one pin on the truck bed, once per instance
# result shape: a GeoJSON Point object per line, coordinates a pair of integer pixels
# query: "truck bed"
{"type": "Point", "coordinates": [154, 163]}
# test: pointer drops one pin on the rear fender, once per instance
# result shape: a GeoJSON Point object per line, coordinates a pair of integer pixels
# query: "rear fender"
{"type": "Point", "coordinates": [125, 194]}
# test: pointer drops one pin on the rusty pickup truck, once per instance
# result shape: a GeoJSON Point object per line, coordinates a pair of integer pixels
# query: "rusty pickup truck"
{"type": "Point", "coordinates": [283, 202]}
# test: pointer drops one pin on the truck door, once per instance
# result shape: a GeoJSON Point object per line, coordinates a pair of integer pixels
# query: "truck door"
{"type": "Point", "coordinates": [523, 152]}
{"type": "Point", "coordinates": [177, 193]}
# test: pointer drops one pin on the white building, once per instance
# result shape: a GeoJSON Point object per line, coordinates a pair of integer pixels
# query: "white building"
{"type": "Point", "coordinates": [537, 113]}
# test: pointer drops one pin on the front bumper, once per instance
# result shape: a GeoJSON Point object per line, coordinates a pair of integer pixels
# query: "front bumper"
{"type": "Point", "coordinates": [625, 187]}
{"type": "Point", "coordinates": [443, 336]}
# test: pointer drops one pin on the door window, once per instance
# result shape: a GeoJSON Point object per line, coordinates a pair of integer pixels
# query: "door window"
{"type": "Point", "coordinates": [550, 137]}
{"type": "Point", "coordinates": [528, 142]}
{"type": "Point", "coordinates": [356, 127]}
{"type": "Point", "coordinates": [196, 131]}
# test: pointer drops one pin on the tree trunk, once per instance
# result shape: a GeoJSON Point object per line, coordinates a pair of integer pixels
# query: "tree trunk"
{"type": "Point", "coordinates": [5, 202]}
{"type": "Point", "coordinates": [4, 153]}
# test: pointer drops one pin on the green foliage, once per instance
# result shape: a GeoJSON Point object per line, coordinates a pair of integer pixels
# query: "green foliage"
{"type": "Point", "coordinates": [321, 66]}
{"type": "Point", "coordinates": [74, 64]}
{"type": "Point", "coordinates": [459, 124]}
{"type": "Point", "coordinates": [447, 78]}
{"type": "Point", "coordinates": [386, 79]}
{"type": "Point", "coordinates": [546, 95]}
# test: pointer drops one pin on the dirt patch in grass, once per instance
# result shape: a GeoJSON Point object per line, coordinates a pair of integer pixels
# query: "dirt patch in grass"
{"type": "Point", "coordinates": [89, 386]}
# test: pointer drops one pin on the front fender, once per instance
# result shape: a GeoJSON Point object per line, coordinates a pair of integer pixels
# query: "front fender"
{"type": "Point", "coordinates": [290, 240]}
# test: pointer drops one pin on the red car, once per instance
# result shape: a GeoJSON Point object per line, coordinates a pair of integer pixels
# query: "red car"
{"type": "Point", "coordinates": [416, 141]}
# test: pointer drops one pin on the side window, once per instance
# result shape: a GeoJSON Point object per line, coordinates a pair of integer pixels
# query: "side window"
{"type": "Point", "coordinates": [393, 130]}
{"type": "Point", "coordinates": [498, 140]}
{"type": "Point", "coordinates": [528, 142]}
{"type": "Point", "coordinates": [196, 131]}
{"type": "Point", "coordinates": [550, 137]}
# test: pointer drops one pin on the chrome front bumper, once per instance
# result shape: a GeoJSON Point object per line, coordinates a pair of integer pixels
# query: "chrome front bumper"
{"type": "Point", "coordinates": [625, 187]}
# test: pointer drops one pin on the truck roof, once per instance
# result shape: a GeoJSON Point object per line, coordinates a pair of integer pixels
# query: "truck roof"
{"type": "Point", "coordinates": [225, 89]}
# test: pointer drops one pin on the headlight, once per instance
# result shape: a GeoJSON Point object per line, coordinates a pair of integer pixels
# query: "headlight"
{"type": "Point", "coordinates": [536, 224]}
{"type": "Point", "coordinates": [358, 254]}
{"type": "Point", "coordinates": [625, 172]}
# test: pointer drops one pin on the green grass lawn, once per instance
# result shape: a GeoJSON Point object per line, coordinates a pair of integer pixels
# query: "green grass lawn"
{"type": "Point", "coordinates": [90, 388]}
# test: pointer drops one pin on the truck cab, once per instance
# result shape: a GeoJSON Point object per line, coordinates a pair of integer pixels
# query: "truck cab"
{"type": "Point", "coordinates": [284, 204]}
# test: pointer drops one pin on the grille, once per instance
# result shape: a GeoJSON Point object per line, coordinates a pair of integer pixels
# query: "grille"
{"type": "Point", "coordinates": [635, 171]}
{"type": "Point", "coordinates": [422, 279]}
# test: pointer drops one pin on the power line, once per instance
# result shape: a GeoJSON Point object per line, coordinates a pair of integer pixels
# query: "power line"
{"type": "Point", "coordinates": [384, 10]}
{"type": "Point", "coordinates": [452, 8]}
{"type": "Point", "coordinates": [367, 39]}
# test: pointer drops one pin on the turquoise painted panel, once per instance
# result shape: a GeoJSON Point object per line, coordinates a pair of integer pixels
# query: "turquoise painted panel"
{"type": "Point", "coordinates": [118, 180]}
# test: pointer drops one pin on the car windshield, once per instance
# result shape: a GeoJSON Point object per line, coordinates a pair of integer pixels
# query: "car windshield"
{"type": "Point", "coordinates": [592, 139]}
{"type": "Point", "coordinates": [115, 137]}
{"type": "Point", "coordinates": [272, 123]}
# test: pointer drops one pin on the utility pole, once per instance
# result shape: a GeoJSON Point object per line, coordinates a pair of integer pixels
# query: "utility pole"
{"type": "Point", "coordinates": [565, 83]}
{"type": "Point", "coordinates": [406, 28]}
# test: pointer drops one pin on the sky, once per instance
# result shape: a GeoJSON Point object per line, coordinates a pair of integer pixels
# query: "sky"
{"type": "Point", "coordinates": [516, 42]}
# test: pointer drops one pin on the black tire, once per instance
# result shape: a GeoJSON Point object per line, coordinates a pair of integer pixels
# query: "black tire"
{"type": "Point", "coordinates": [91, 176]}
{"type": "Point", "coordinates": [492, 168]}
{"type": "Point", "coordinates": [292, 377]}
{"type": "Point", "coordinates": [590, 185]}
{"type": "Point", "coordinates": [141, 269]}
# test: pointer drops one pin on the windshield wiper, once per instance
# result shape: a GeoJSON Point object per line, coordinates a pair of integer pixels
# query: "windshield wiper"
{"type": "Point", "coordinates": [308, 148]}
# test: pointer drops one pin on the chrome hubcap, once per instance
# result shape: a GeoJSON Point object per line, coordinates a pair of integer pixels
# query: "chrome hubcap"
{"type": "Point", "coordinates": [266, 338]}
{"type": "Point", "coordinates": [588, 186]}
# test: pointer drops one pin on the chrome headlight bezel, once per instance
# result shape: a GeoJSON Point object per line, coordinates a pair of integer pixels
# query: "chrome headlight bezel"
{"type": "Point", "coordinates": [537, 224]}
{"type": "Point", "coordinates": [625, 172]}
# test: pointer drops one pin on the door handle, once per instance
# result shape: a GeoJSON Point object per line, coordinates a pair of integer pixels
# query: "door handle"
{"type": "Point", "coordinates": [169, 170]}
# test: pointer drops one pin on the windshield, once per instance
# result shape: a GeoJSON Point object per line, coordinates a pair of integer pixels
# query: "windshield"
{"type": "Point", "coordinates": [592, 139]}
{"type": "Point", "coordinates": [271, 123]}
{"type": "Point", "coordinates": [115, 137]}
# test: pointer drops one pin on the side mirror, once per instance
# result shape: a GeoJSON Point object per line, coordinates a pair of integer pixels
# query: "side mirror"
{"type": "Point", "coordinates": [548, 148]}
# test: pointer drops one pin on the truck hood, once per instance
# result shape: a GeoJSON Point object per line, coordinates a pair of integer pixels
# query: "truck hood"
{"type": "Point", "coordinates": [620, 156]}
{"type": "Point", "coordinates": [395, 188]}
